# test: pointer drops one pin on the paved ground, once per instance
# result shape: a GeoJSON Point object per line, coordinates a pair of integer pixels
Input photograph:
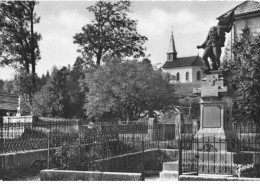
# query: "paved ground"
{"type": "Point", "coordinates": [157, 178]}
{"type": "Point", "coordinates": [152, 178]}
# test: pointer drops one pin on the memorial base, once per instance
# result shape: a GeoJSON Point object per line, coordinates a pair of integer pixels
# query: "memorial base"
{"type": "Point", "coordinates": [217, 140]}
{"type": "Point", "coordinates": [222, 161]}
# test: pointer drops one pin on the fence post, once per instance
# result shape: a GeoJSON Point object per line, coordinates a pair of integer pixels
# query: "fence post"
{"type": "Point", "coordinates": [180, 157]}
{"type": "Point", "coordinates": [143, 174]}
{"type": "Point", "coordinates": [79, 166]}
{"type": "Point", "coordinates": [198, 155]}
{"type": "Point", "coordinates": [48, 159]}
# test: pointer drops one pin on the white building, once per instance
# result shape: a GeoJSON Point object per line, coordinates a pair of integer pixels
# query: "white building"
{"type": "Point", "coordinates": [247, 14]}
{"type": "Point", "coordinates": [183, 69]}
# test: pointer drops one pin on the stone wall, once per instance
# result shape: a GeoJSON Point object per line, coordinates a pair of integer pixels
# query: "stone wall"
{"type": "Point", "coordinates": [153, 161]}
{"type": "Point", "coordinates": [23, 159]}
{"type": "Point", "coordinates": [18, 119]}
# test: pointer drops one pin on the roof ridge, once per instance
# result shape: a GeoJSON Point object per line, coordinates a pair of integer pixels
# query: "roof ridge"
{"type": "Point", "coordinates": [232, 9]}
{"type": "Point", "coordinates": [239, 7]}
{"type": "Point", "coordinates": [184, 61]}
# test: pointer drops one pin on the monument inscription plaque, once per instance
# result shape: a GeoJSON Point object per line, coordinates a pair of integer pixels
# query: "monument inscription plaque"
{"type": "Point", "coordinates": [212, 117]}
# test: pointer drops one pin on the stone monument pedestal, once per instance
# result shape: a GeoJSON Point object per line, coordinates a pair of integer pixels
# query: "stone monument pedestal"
{"type": "Point", "coordinates": [216, 110]}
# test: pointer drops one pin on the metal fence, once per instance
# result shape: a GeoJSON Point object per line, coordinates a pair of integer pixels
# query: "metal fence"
{"type": "Point", "coordinates": [109, 148]}
{"type": "Point", "coordinates": [16, 137]}
{"type": "Point", "coordinates": [238, 156]}
{"type": "Point", "coordinates": [117, 146]}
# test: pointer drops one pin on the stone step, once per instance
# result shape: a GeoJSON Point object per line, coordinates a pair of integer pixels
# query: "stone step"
{"type": "Point", "coordinates": [170, 166]}
{"type": "Point", "coordinates": [169, 175]}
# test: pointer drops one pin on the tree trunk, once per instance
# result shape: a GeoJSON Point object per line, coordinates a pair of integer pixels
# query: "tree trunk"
{"type": "Point", "coordinates": [99, 56]}
{"type": "Point", "coordinates": [32, 47]}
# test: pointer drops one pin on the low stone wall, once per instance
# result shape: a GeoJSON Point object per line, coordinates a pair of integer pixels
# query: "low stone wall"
{"type": "Point", "coordinates": [65, 175]}
{"type": "Point", "coordinates": [153, 161]}
{"type": "Point", "coordinates": [18, 119]}
{"type": "Point", "coordinates": [24, 159]}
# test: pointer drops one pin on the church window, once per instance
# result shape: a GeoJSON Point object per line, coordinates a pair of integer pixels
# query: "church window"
{"type": "Point", "coordinates": [187, 76]}
{"type": "Point", "coordinates": [178, 76]}
{"type": "Point", "coordinates": [198, 76]}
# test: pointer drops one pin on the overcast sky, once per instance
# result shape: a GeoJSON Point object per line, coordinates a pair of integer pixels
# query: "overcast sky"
{"type": "Point", "coordinates": [190, 20]}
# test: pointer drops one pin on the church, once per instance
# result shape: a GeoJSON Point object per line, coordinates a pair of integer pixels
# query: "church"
{"type": "Point", "coordinates": [183, 69]}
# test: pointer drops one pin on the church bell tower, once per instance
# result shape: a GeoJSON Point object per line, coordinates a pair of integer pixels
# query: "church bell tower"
{"type": "Point", "coordinates": [171, 54]}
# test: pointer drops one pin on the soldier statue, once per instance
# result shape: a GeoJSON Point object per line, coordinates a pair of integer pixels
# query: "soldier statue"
{"type": "Point", "coordinates": [212, 47]}
{"type": "Point", "coordinates": [216, 39]}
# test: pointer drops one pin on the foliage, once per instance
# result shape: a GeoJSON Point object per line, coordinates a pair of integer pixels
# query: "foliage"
{"type": "Point", "coordinates": [243, 72]}
{"type": "Point", "coordinates": [7, 86]}
{"type": "Point", "coordinates": [61, 95]}
{"type": "Point", "coordinates": [52, 98]}
{"type": "Point", "coordinates": [188, 103]}
{"type": "Point", "coordinates": [128, 90]}
{"type": "Point", "coordinates": [19, 41]}
{"type": "Point", "coordinates": [111, 32]}
{"type": "Point", "coordinates": [23, 82]}
{"type": "Point", "coordinates": [65, 157]}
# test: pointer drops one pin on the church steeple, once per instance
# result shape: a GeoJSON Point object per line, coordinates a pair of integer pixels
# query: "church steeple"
{"type": "Point", "coordinates": [171, 54]}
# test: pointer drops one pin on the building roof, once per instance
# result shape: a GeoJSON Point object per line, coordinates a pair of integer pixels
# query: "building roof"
{"type": "Point", "coordinates": [8, 102]}
{"type": "Point", "coordinates": [184, 61]}
{"type": "Point", "coordinates": [245, 8]}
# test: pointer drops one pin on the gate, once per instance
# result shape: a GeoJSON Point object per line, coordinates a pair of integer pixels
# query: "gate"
{"type": "Point", "coordinates": [188, 155]}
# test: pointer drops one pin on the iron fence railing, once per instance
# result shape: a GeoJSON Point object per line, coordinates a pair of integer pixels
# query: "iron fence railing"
{"type": "Point", "coordinates": [119, 149]}
{"type": "Point", "coordinates": [30, 136]}
{"type": "Point", "coordinates": [215, 155]}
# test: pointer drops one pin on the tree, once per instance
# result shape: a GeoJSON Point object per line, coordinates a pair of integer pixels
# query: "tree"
{"type": "Point", "coordinates": [60, 96]}
{"type": "Point", "coordinates": [19, 41]}
{"type": "Point", "coordinates": [23, 83]}
{"type": "Point", "coordinates": [243, 72]}
{"type": "Point", "coordinates": [52, 100]}
{"type": "Point", "coordinates": [127, 90]}
{"type": "Point", "coordinates": [111, 32]}
{"type": "Point", "coordinates": [6, 86]}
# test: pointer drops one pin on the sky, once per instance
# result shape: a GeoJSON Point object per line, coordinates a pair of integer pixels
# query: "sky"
{"type": "Point", "coordinates": [189, 21]}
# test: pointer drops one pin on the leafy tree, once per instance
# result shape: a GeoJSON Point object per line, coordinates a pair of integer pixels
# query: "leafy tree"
{"type": "Point", "coordinates": [23, 83]}
{"type": "Point", "coordinates": [76, 92]}
{"type": "Point", "coordinates": [128, 90]}
{"type": "Point", "coordinates": [111, 32]}
{"type": "Point", "coordinates": [52, 99]}
{"type": "Point", "coordinates": [19, 40]}
{"type": "Point", "coordinates": [243, 72]}
{"type": "Point", "coordinates": [61, 95]}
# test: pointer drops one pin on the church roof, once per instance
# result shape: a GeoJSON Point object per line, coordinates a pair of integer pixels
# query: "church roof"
{"type": "Point", "coordinates": [184, 61]}
{"type": "Point", "coordinates": [245, 8]}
